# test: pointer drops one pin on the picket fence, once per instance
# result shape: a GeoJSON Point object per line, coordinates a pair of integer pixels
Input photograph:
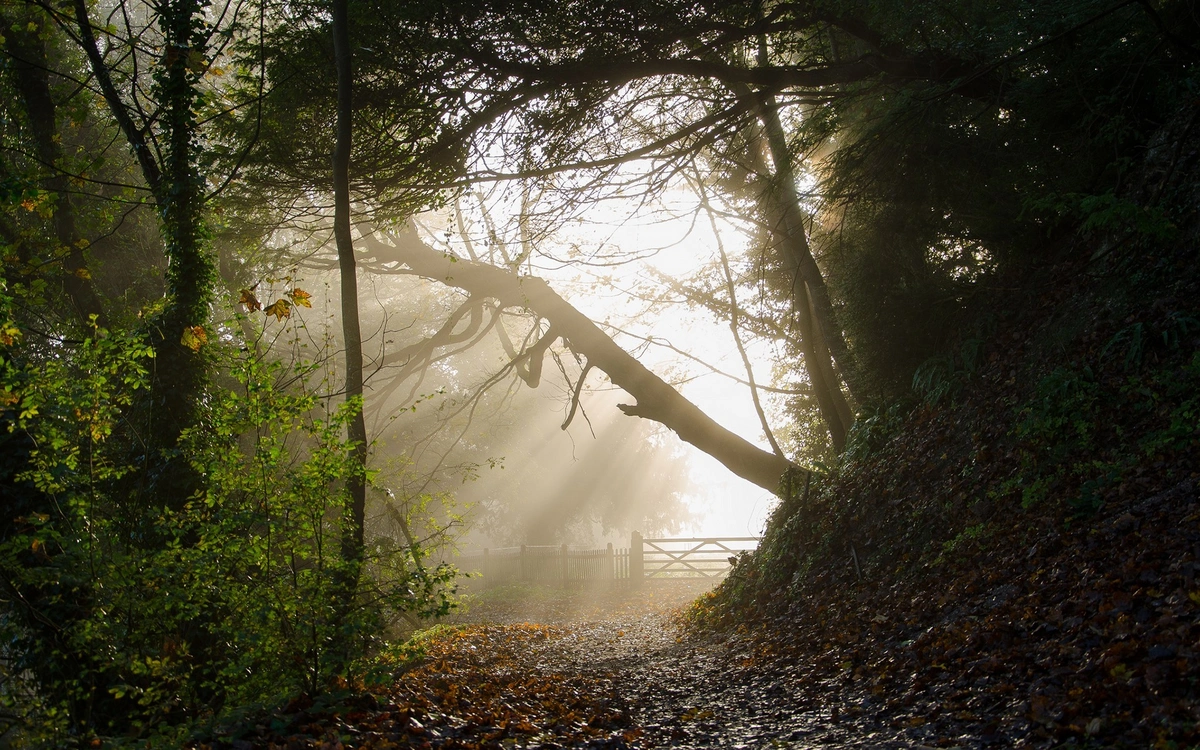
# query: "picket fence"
{"type": "Point", "coordinates": [645, 559]}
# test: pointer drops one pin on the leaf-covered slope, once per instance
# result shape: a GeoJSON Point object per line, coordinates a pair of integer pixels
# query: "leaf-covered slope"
{"type": "Point", "coordinates": [1010, 556]}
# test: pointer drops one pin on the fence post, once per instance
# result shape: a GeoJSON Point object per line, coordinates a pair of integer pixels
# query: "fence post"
{"type": "Point", "coordinates": [610, 574]}
{"type": "Point", "coordinates": [523, 578]}
{"type": "Point", "coordinates": [636, 563]}
{"type": "Point", "coordinates": [565, 565]}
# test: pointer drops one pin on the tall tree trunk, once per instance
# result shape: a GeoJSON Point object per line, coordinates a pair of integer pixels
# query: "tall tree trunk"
{"type": "Point", "coordinates": [795, 242]}
{"type": "Point", "coordinates": [825, 384]}
{"type": "Point", "coordinates": [168, 152]}
{"type": "Point", "coordinates": [177, 186]}
{"type": "Point", "coordinates": [180, 370]}
{"type": "Point", "coordinates": [32, 78]}
{"type": "Point", "coordinates": [352, 540]}
{"type": "Point", "coordinates": [780, 205]}
{"type": "Point", "coordinates": [820, 335]}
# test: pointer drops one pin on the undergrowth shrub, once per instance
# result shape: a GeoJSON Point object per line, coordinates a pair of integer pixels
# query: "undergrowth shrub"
{"type": "Point", "coordinates": [1088, 427]}
{"type": "Point", "coordinates": [147, 621]}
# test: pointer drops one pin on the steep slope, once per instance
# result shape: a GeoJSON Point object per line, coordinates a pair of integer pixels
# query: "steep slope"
{"type": "Point", "coordinates": [1010, 556]}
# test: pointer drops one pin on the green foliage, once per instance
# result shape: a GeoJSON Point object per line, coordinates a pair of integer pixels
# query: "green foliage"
{"type": "Point", "coordinates": [914, 248]}
{"type": "Point", "coordinates": [268, 524]}
{"type": "Point", "coordinates": [393, 659]}
{"type": "Point", "coordinates": [1057, 426]}
{"type": "Point", "coordinates": [873, 427]}
{"type": "Point", "coordinates": [141, 621]}
{"type": "Point", "coordinates": [969, 534]}
{"type": "Point", "coordinates": [1106, 214]}
{"type": "Point", "coordinates": [942, 377]}
{"type": "Point", "coordinates": [1070, 435]}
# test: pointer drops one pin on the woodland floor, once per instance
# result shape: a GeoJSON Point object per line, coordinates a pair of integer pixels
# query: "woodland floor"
{"type": "Point", "coordinates": [544, 669]}
{"type": "Point", "coordinates": [1087, 639]}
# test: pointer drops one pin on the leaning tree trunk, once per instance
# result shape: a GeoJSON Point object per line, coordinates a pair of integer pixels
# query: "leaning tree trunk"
{"type": "Point", "coordinates": [352, 535]}
{"type": "Point", "coordinates": [656, 400]}
{"type": "Point", "coordinates": [825, 383]}
{"type": "Point", "coordinates": [819, 333]}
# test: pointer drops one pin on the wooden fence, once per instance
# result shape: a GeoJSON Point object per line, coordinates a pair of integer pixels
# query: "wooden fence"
{"type": "Point", "coordinates": [644, 559]}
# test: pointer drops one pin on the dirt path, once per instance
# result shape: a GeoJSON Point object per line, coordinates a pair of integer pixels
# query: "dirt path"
{"type": "Point", "coordinates": [543, 669]}
{"type": "Point", "coordinates": [675, 692]}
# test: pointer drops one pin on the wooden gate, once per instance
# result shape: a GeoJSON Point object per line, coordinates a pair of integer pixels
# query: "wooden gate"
{"type": "Point", "coordinates": [686, 557]}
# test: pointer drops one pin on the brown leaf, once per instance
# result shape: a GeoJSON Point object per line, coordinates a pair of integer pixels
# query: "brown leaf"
{"type": "Point", "coordinates": [249, 300]}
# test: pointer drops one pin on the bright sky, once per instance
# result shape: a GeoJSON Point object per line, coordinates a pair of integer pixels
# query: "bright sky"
{"type": "Point", "coordinates": [683, 240]}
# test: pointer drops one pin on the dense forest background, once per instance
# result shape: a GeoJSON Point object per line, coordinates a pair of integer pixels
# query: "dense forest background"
{"type": "Point", "coordinates": [273, 289]}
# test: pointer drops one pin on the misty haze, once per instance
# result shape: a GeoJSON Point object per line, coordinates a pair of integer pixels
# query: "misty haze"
{"type": "Point", "coordinates": [599, 374]}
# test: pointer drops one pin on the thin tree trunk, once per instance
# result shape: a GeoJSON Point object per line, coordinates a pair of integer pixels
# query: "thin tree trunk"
{"type": "Point", "coordinates": [781, 207]}
{"type": "Point", "coordinates": [735, 314]}
{"type": "Point", "coordinates": [820, 335]}
{"type": "Point", "coordinates": [825, 387]}
{"type": "Point", "coordinates": [352, 539]}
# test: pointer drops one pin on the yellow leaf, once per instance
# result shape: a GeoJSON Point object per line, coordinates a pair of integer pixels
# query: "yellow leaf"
{"type": "Point", "coordinates": [300, 297]}
{"type": "Point", "coordinates": [83, 273]}
{"type": "Point", "coordinates": [9, 333]}
{"type": "Point", "coordinates": [194, 337]}
{"type": "Point", "coordinates": [280, 308]}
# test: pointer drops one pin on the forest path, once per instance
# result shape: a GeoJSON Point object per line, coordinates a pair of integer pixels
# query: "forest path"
{"type": "Point", "coordinates": [658, 687]}
{"type": "Point", "coordinates": [538, 668]}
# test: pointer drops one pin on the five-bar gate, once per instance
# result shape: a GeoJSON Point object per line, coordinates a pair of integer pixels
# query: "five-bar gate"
{"type": "Point", "coordinates": [685, 557]}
